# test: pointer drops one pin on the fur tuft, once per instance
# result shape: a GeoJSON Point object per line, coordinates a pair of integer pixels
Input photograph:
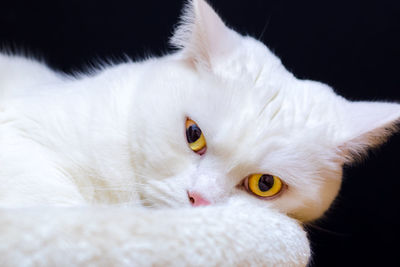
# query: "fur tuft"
{"type": "Point", "coordinates": [184, 30]}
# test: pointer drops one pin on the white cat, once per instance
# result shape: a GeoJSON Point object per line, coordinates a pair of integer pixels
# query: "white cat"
{"type": "Point", "coordinates": [220, 123]}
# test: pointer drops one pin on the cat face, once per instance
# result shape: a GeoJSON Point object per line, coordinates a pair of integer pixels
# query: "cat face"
{"type": "Point", "coordinates": [257, 127]}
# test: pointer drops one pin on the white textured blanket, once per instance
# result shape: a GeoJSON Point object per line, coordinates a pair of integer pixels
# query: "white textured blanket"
{"type": "Point", "coordinates": [97, 236]}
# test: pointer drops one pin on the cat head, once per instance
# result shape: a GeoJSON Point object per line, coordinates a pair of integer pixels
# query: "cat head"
{"type": "Point", "coordinates": [261, 127]}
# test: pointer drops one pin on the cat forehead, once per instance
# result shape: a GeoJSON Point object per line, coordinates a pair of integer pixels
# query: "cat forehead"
{"type": "Point", "coordinates": [251, 63]}
{"type": "Point", "coordinates": [290, 111]}
{"type": "Point", "coordinates": [262, 92]}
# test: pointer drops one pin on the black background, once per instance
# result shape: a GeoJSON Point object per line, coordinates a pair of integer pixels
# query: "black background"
{"type": "Point", "coordinates": [353, 46]}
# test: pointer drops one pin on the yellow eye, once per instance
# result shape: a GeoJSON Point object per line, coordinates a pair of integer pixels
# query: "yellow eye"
{"type": "Point", "coordinates": [263, 185]}
{"type": "Point", "coordinates": [195, 137]}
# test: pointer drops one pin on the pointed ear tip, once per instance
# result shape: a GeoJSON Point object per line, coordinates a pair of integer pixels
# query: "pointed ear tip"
{"type": "Point", "coordinates": [196, 4]}
{"type": "Point", "coordinates": [203, 9]}
{"type": "Point", "coordinates": [182, 32]}
{"type": "Point", "coordinates": [394, 108]}
{"type": "Point", "coordinates": [386, 111]}
{"type": "Point", "coordinates": [358, 149]}
{"type": "Point", "coordinates": [199, 2]}
{"type": "Point", "coordinates": [201, 34]}
{"type": "Point", "coordinates": [376, 122]}
{"type": "Point", "coordinates": [394, 105]}
{"type": "Point", "coordinates": [395, 112]}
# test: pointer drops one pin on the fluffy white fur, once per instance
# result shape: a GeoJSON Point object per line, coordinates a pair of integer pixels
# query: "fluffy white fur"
{"type": "Point", "coordinates": [117, 137]}
{"type": "Point", "coordinates": [211, 236]}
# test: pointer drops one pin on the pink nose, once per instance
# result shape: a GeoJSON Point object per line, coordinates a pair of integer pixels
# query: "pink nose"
{"type": "Point", "coordinates": [197, 200]}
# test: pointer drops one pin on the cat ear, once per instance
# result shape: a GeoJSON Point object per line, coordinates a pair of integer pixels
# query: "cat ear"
{"type": "Point", "coordinates": [366, 125]}
{"type": "Point", "coordinates": [202, 35]}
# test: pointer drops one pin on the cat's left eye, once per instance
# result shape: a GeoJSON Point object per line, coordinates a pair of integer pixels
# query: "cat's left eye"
{"type": "Point", "coordinates": [195, 137]}
{"type": "Point", "coordinates": [263, 185]}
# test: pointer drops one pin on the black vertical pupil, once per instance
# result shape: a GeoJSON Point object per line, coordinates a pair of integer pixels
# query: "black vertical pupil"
{"type": "Point", "coordinates": [193, 133]}
{"type": "Point", "coordinates": [266, 182]}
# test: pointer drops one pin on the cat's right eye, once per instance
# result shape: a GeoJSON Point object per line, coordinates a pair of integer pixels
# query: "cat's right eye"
{"type": "Point", "coordinates": [195, 137]}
